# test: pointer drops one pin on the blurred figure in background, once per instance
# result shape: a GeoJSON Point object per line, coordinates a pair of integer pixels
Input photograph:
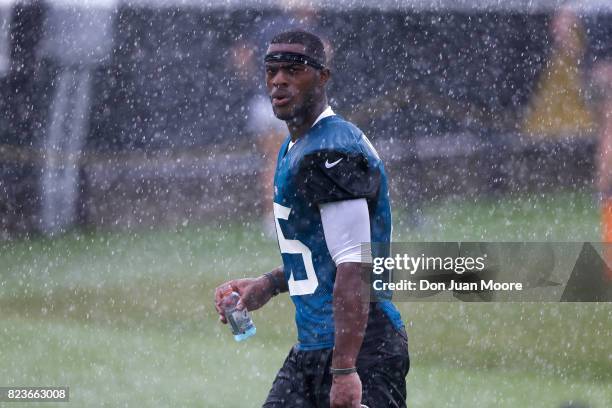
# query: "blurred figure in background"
{"type": "Point", "coordinates": [596, 18]}
{"type": "Point", "coordinates": [602, 78]}
{"type": "Point", "coordinates": [247, 55]}
{"type": "Point", "coordinates": [574, 95]}
{"type": "Point", "coordinates": [559, 105]}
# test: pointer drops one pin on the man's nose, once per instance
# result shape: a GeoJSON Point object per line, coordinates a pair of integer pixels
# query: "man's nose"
{"type": "Point", "coordinates": [279, 78]}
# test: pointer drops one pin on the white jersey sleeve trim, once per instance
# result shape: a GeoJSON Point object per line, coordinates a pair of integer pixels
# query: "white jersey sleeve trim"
{"type": "Point", "coordinates": [326, 112]}
{"type": "Point", "coordinates": [346, 225]}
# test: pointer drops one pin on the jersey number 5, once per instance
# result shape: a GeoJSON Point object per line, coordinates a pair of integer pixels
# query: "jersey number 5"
{"type": "Point", "coordinates": [293, 246]}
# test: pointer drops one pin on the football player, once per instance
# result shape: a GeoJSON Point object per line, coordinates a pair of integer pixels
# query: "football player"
{"type": "Point", "coordinates": [330, 200]}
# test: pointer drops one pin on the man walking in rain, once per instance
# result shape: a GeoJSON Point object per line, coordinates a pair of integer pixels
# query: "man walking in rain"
{"type": "Point", "coordinates": [330, 197]}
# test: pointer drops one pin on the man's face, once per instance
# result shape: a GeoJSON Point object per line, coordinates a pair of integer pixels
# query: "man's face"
{"type": "Point", "coordinates": [293, 88]}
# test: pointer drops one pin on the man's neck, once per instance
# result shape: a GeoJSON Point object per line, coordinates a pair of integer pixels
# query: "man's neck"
{"type": "Point", "coordinates": [297, 130]}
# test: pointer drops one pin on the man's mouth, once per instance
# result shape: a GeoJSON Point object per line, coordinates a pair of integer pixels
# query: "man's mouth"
{"type": "Point", "coordinates": [281, 100]}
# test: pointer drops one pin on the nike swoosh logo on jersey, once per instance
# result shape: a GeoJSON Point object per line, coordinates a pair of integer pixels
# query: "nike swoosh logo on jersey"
{"type": "Point", "coordinates": [329, 165]}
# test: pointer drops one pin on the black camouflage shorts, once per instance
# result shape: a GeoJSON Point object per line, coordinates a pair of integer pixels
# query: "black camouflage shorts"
{"type": "Point", "coordinates": [304, 380]}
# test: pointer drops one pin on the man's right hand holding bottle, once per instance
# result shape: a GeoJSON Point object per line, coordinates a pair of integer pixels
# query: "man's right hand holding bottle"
{"type": "Point", "coordinates": [254, 292]}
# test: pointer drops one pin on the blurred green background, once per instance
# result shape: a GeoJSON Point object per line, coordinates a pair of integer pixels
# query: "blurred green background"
{"type": "Point", "coordinates": [128, 319]}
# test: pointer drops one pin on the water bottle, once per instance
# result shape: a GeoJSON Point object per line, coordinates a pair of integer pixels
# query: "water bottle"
{"type": "Point", "coordinates": [240, 320]}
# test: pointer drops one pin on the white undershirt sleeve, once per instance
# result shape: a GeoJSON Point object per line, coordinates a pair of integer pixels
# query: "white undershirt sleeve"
{"type": "Point", "coordinates": [346, 225]}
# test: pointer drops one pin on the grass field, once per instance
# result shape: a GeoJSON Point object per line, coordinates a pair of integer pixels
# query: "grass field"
{"type": "Point", "coordinates": [127, 319]}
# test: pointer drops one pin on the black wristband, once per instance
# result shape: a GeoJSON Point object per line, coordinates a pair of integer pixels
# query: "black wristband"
{"type": "Point", "coordinates": [275, 286]}
{"type": "Point", "coordinates": [342, 371]}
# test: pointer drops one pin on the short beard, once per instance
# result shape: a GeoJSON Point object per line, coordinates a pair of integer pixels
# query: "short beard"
{"type": "Point", "coordinates": [298, 114]}
{"type": "Point", "coordinates": [292, 115]}
{"type": "Point", "coordinates": [293, 118]}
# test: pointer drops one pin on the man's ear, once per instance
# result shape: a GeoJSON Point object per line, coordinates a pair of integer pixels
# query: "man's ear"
{"type": "Point", "coordinates": [324, 76]}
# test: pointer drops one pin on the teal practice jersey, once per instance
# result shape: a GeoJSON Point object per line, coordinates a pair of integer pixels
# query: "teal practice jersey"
{"type": "Point", "coordinates": [333, 161]}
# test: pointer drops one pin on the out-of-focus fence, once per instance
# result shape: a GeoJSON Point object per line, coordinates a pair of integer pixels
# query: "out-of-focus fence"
{"type": "Point", "coordinates": [134, 115]}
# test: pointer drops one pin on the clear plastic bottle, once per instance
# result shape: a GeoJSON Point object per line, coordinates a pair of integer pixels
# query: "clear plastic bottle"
{"type": "Point", "coordinates": [240, 320]}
